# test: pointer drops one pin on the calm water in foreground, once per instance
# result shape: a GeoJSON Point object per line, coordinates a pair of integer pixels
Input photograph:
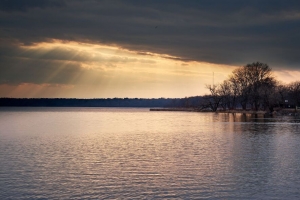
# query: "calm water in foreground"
{"type": "Point", "coordinates": [99, 153]}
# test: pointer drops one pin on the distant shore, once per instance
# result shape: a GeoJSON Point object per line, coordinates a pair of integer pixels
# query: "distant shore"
{"type": "Point", "coordinates": [260, 112]}
{"type": "Point", "coordinates": [175, 109]}
{"type": "Point", "coordinates": [199, 110]}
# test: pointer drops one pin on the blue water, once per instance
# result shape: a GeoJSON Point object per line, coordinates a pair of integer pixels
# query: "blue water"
{"type": "Point", "coordinates": [101, 153]}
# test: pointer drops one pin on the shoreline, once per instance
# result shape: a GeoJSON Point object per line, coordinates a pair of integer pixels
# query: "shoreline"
{"type": "Point", "coordinates": [260, 112]}
{"type": "Point", "coordinates": [197, 110]}
{"type": "Point", "coordinates": [174, 109]}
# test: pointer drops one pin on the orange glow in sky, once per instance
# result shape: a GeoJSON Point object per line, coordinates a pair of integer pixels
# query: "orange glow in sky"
{"type": "Point", "coordinates": [83, 70]}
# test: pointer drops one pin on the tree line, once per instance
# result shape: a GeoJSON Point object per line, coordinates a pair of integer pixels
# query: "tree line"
{"type": "Point", "coordinates": [254, 87]}
{"type": "Point", "coordinates": [108, 102]}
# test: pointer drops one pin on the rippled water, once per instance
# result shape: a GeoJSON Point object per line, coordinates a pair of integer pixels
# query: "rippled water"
{"type": "Point", "coordinates": [98, 153]}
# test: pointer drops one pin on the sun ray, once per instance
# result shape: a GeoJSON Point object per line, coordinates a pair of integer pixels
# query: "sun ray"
{"type": "Point", "coordinates": [108, 71]}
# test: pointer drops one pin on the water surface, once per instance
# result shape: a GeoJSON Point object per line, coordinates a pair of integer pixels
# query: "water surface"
{"type": "Point", "coordinates": [109, 153]}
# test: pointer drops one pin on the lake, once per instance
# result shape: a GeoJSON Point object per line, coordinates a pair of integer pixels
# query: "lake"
{"type": "Point", "coordinates": [130, 153]}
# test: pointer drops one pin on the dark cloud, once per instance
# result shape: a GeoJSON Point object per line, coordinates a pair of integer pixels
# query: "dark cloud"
{"type": "Point", "coordinates": [21, 5]}
{"type": "Point", "coordinates": [223, 31]}
{"type": "Point", "coordinates": [57, 64]}
{"type": "Point", "coordinates": [52, 54]}
{"type": "Point", "coordinates": [66, 54]}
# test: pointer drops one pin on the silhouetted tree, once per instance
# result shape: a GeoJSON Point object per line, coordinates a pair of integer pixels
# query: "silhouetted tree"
{"type": "Point", "coordinates": [268, 95]}
{"type": "Point", "coordinates": [241, 85]}
{"type": "Point", "coordinates": [252, 84]}
{"type": "Point", "coordinates": [281, 94]}
{"type": "Point", "coordinates": [294, 92]}
{"type": "Point", "coordinates": [228, 92]}
{"type": "Point", "coordinates": [247, 81]}
{"type": "Point", "coordinates": [214, 99]}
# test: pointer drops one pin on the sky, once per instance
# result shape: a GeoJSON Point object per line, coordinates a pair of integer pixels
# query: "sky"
{"type": "Point", "coordinates": [141, 49]}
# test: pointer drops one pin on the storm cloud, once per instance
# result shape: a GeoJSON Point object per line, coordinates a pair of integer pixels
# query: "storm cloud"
{"type": "Point", "coordinates": [224, 32]}
{"type": "Point", "coordinates": [20, 5]}
{"type": "Point", "coordinates": [109, 42]}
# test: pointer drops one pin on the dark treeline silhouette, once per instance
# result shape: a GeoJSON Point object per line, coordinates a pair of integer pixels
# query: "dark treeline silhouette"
{"type": "Point", "coordinates": [254, 87]}
{"type": "Point", "coordinates": [109, 102]}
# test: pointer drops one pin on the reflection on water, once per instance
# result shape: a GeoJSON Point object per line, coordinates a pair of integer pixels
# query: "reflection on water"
{"type": "Point", "coordinates": [97, 153]}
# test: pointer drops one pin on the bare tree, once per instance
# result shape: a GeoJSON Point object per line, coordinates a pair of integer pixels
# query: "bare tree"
{"type": "Point", "coordinates": [268, 95]}
{"type": "Point", "coordinates": [228, 91]}
{"type": "Point", "coordinates": [282, 92]}
{"type": "Point", "coordinates": [254, 85]}
{"type": "Point", "coordinates": [214, 99]}
{"type": "Point", "coordinates": [294, 92]}
{"type": "Point", "coordinates": [248, 80]}
{"type": "Point", "coordinates": [241, 86]}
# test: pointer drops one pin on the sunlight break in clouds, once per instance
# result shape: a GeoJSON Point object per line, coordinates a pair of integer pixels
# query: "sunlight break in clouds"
{"type": "Point", "coordinates": [70, 69]}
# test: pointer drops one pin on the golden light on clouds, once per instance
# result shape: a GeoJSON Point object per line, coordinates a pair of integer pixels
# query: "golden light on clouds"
{"type": "Point", "coordinates": [287, 76]}
{"type": "Point", "coordinates": [83, 70]}
{"type": "Point", "coordinates": [34, 90]}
